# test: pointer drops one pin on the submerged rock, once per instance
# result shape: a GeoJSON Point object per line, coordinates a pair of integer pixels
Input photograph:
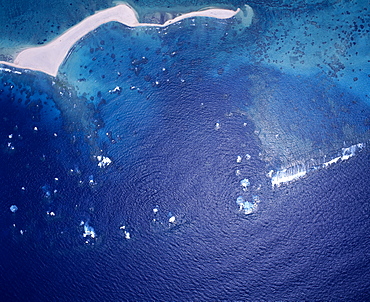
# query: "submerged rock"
{"type": "Point", "coordinates": [14, 208]}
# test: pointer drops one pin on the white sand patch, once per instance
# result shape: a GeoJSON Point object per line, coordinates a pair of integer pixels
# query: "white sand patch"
{"type": "Point", "coordinates": [49, 57]}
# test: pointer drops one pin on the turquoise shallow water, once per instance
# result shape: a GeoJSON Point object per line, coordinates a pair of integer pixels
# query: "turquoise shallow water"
{"type": "Point", "coordinates": [274, 73]}
{"type": "Point", "coordinates": [141, 172]}
{"type": "Point", "coordinates": [31, 23]}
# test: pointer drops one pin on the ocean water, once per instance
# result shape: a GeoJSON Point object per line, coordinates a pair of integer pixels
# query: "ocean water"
{"type": "Point", "coordinates": [155, 166]}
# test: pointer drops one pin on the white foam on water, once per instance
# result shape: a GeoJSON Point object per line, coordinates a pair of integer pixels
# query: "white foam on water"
{"type": "Point", "coordinates": [88, 231]}
{"type": "Point", "coordinates": [287, 175]}
{"type": "Point", "coordinates": [298, 171]}
{"type": "Point", "coordinates": [9, 70]}
{"type": "Point", "coordinates": [346, 154]}
{"type": "Point", "coordinates": [103, 161]}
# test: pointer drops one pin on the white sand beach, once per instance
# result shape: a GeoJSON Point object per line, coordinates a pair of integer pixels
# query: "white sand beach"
{"type": "Point", "coordinates": [49, 57]}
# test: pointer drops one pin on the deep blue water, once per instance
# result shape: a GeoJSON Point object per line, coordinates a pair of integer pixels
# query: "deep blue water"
{"type": "Point", "coordinates": [185, 114]}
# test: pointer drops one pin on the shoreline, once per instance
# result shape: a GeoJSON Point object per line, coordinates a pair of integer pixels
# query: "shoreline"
{"type": "Point", "coordinates": [49, 57]}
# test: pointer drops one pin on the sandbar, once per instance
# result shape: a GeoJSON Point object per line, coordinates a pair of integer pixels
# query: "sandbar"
{"type": "Point", "coordinates": [49, 57]}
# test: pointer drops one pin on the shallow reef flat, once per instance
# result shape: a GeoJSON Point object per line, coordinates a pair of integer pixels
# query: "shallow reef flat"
{"type": "Point", "coordinates": [207, 158]}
